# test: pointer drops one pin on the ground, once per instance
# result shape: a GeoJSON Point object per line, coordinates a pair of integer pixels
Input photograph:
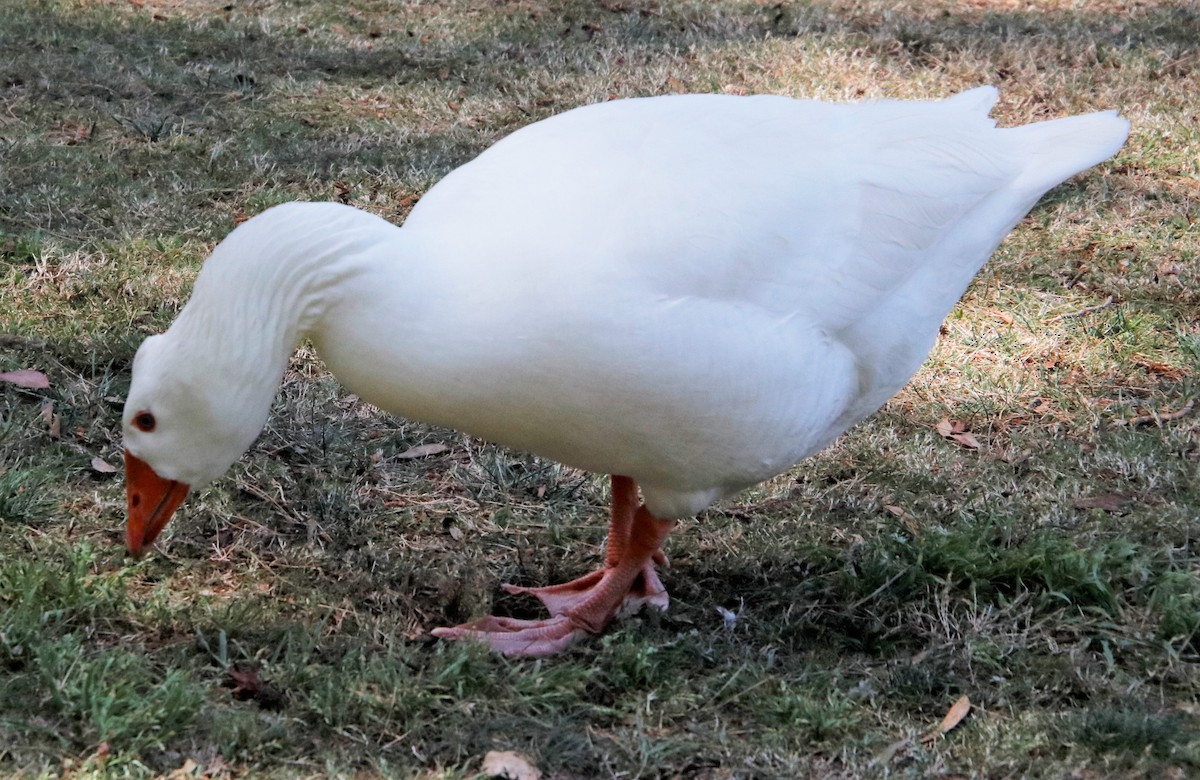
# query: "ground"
{"type": "Point", "coordinates": [1019, 526]}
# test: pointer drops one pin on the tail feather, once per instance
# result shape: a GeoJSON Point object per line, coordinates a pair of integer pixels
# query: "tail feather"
{"type": "Point", "coordinates": [979, 100]}
{"type": "Point", "coordinates": [1060, 148]}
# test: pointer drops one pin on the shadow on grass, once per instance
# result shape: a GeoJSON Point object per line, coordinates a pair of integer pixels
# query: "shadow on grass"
{"type": "Point", "coordinates": [218, 97]}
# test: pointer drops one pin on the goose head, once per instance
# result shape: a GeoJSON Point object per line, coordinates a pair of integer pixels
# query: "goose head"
{"type": "Point", "coordinates": [187, 418]}
{"type": "Point", "coordinates": [201, 392]}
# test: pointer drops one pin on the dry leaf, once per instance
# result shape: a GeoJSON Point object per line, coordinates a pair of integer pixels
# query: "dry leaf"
{"type": "Point", "coordinates": [34, 380]}
{"type": "Point", "coordinates": [53, 421]}
{"type": "Point", "coordinates": [188, 770]}
{"type": "Point", "coordinates": [955, 715]}
{"type": "Point", "coordinates": [895, 510]}
{"type": "Point", "coordinates": [422, 450]}
{"type": "Point", "coordinates": [1016, 458]}
{"type": "Point", "coordinates": [245, 682]}
{"type": "Point", "coordinates": [1157, 367]}
{"type": "Point", "coordinates": [1167, 271]}
{"type": "Point", "coordinates": [1160, 417]}
{"type": "Point", "coordinates": [247, 685]}
{"type": "Point", "coordinates": [1004, 317]}
{"type": "Point", "coordinates": [510, 765]}
{"type": "Point", "coordinates": [101, 466]}
{"type": "Point", "coordinates": [956, 431]}
{"type": "Point", "coordinates": [1109, 502]}
{"type": "Point", "coordinates": [966, 440]}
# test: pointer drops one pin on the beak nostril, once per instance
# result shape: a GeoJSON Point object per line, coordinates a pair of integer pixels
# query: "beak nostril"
{"type": "Point", "coordinates": [135, 499]}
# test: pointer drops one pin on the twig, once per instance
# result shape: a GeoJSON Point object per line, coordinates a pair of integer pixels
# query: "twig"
{"type": "Point", "coordinates": [284, 509]}
{"type": "Point", "coordinates": [1083, 311]}
{"type": "Point", "coordinates": [1159, 419]}
{"type": "Point", "coordinates": [891, 581]}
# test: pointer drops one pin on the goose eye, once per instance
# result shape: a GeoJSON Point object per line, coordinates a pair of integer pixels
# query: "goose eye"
{"type": "Point", "coordinates": [144, 421]}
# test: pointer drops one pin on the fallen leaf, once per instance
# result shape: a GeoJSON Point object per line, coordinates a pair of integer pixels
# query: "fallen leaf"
{"type": "Point", "coordinates": [1004, 317]}
{"type": "Point", "coordinates": [956, 431]}
{"type": "Point", "coordinates": [510, 765]}
{"type": "Point", "coordinates": [1167, 271]}
{"type": "Point", "coordinates": [422, 450]}
{"type": "Point", "coordinates": [188, 770]}
{"type": "Point", "coordinates": [954, 716]}
{"type": "Point", "coordinates": [966, 440]}
{"type": "Point", "coordinates": [53, 421]}
{"type": "Point", "coordinates": [247, 685]}
{"type": "Point", "coordinates": [34, 380]}
{"type": "Point", "coordinates": [1016, 458]}
{"type": "Point", "coordinates": [101, 466]}
{"type": "Point", "coordinates": [245, 681]}
{"type": "Point", "coordinates": [1108, 502]}
{"type": "Point", "coordinates": [1165, 370]}
{"type": "Point", "coordinates": [1160, 417]}
{"type": "Point", "coordinates": [956, 713]}
{"type": "Point", "coordinates": [895, 510]}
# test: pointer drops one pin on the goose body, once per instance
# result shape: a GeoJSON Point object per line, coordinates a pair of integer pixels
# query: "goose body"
{"type": "Point", "coordinates": [690, 292]}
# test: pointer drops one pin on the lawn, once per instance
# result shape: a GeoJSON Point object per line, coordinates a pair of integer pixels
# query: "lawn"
{"type": "Point", "coordinates": [1020, 526]}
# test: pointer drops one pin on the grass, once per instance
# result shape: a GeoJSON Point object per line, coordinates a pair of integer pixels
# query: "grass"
{"type": "Point", "coordinates": [280, 629]}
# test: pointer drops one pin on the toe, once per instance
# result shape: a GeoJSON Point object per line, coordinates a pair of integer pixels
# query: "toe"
{"type": "Point", "coordinates": [518, 638]}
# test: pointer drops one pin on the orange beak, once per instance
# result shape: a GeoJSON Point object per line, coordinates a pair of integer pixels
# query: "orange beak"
{"type": "Point", "coordinates": [152, 501]}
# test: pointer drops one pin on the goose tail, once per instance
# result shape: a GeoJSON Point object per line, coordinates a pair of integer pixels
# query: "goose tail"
{"type": "Point", "coordinates": [1055, 150]}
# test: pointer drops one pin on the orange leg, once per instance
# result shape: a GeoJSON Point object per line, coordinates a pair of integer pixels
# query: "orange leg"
{"type": "Point", "coordinates": [627, 582]}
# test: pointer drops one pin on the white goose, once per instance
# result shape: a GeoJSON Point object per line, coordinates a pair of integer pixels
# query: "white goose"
{"type": "Point", "coordinates": [690, 293]}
